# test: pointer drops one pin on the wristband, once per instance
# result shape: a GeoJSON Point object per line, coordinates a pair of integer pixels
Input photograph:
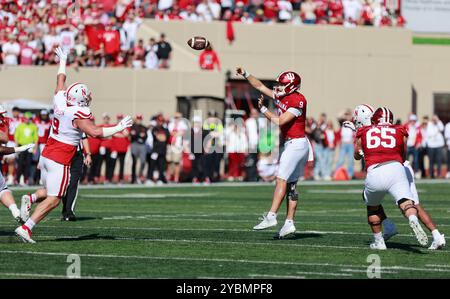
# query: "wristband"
{"type": "Point", "coordinates": [246, 74]}
{"type": "Point", "coordinates": [263, 109]}
{"type": "Point", "coordinates": [62, 67]}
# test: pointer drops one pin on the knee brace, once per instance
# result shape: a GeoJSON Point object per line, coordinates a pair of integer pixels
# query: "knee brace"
{"type": "Point", "coordinates": [405, 204]}
{"type": "Point", "coordinates": [291, 192]}
{"type": "Point", "coordinates": [375, 211]}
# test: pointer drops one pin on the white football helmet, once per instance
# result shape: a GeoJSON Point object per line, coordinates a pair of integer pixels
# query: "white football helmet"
{"type": "Point", "coordinates": [2, 110]}
{"type": "Point", "coordinates": [78, 94]}
{"type": "Point", "coordinates": [362, 115]}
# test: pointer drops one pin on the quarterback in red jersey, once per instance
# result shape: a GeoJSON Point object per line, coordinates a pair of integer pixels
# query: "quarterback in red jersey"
{"type": "Point", "coordinates": [72, 118]}
{"type": "Point", "coordinates": [382, 145]}
{"type": "Point", "coordinates": [291, 119]}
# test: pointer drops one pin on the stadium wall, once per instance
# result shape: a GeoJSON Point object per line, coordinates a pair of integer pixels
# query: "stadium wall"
{"type": "Point", "coordinates": [340, 67]}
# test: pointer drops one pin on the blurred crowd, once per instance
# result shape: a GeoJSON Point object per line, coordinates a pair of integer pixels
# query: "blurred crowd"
{"type": "Point", "coordinates": [100, 33]}
{"type": "Point", "coordinates": [163, 149]}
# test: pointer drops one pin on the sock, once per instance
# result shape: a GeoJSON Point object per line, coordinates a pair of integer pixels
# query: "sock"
{"type": "Point", "coordinates": [413, 218]}
{"type": "Point", "coordinates": [14, 210]}
{"type": "Point", "coordinates": [378, 236]}
{"type": "Point", "coordinates": [289, 221]}
{"type": "Point", "coordinates": [30, 223]}
{"type": "Point", "coordinates": [271, 215]}
{"type": "Point", "coordinates": [33, 198]}
{"type": "Point", "coordinates": [436, 234]}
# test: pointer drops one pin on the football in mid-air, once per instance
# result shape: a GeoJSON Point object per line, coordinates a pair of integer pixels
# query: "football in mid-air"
{"type": "Point", "coordinates": [198, 43]}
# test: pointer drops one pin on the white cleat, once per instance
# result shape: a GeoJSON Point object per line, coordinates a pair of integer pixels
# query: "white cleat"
{"type": "Point", "coordinates": [25, 207]}
{"type": "Point", "coordinates": [266, 222]}
{"type": "Point", "coordinates": [418, 231]}
{"type": "Point", "coordinates": [389, 229]}
{"type": "Point", "coordinates": [24, 234]}
{"type": "Point", "coordinates": [378, 245]}
{"type": "Point", "coordinates": [438, 244]}
{"type": "Point", "coordinates": [286, 230]}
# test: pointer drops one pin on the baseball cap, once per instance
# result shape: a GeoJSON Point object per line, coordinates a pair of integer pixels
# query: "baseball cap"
{"type": "Point", "coordinates": [413, 117]}
{"type": "Point", "coordinates": [44, 112]}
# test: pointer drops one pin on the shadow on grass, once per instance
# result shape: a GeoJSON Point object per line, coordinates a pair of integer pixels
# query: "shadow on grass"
{"type": "Point", "coordinates": [405, 247]}
{"type": "Point", "coordinates": [299, 236]}
{"type": "Point", "coordinates": [8, 237]}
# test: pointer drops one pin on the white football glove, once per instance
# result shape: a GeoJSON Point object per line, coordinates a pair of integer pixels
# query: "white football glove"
{"type": "Point", "coordinates": [350, 125]}
{"type": "Point", "coordinates": [361, 153]}
{"type": "Point", "coordinates": [23, 148]}
{"type": "Point", "coordinates": [61, 54]}
{"type": "Point", "coordinates": [126, 122]}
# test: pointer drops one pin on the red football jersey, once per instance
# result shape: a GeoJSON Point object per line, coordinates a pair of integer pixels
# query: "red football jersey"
{"type": "Point", "coordinates": [382, 143]}
{"type": "Point", "coordinates": [296, 127]}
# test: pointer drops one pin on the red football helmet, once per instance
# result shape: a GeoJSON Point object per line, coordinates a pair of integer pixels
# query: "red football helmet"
{"type": "Point", "coordinates": [288, 83]}
{"type": "Point", "coordinates": [382, 116]}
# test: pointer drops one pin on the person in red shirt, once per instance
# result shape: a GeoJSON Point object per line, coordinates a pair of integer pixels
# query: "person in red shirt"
{"type": "Point", "coordinates": [383, 145]}
{"type": "Point", "coordinates": [271, 10]}
{"type": "Point", "coordinates": [336, 11]}
{"type": "Point", "coordinates": [208, 59]}
{"type": "Point", "coordinates": [42, 121]}
{"type": "Point", "coordinates": [120, 145]}
{"type": "Point", "coordinates": [291, 119]}
{"type": "Point", "coordinates": [94, 146]}
{"type": "Point", "coordinates": [111, 43]}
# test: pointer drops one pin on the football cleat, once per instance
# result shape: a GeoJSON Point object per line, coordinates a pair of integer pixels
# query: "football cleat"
{"type": "Point", "coordinates": [24, 234]}
{"type": "Point", "coordinates": [389, 229]}
{"type": "Point", "coordinates": [266, 222]}
{"type": "Point", "coordinates": [418, 231]}
{"type": "Point", "coordinates": [438, 244]}
{"type": "Point", "coordinates": [286, 230]}
{"type": "Point", "coordinates": [378, 245]}
{"type": "Point", "coordinates": [25, 207]}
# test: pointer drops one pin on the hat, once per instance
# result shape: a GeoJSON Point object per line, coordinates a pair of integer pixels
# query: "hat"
{"type": "Point", "coordinates": [44, 112]}
{"type": "Point", "coordinates": [28, 114]}
{"type": "Point", "coordinates": [412, 117]}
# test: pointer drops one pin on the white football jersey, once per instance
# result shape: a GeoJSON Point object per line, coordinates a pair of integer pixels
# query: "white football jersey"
{"type": "Point", "coordinates": [63, 129]}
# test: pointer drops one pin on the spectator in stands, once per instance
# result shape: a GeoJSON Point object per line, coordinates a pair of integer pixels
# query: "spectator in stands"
{"type": "Point", "coordinates": [199, 169]}
{"type": "Point", "coordinates": [120, 145]}
{"type": "Point", "coordinates": [130, 27]}
{"type": "Point", "coordinates": [307, 12]}
{"type": "Point", "coordinates": [346, 146]}
{"type": "Point", "coordinates": [163, 52]}
{"type": "Point", "coordinates": [111, 41]}
{"type": "Point", "coordinates": [177, 128]}
{"type": "Point", "coordinates": [138, 135]}
{"type": "Point", "coordinates": [435, 145]}
{"type": "Point", "coordinates": [331, 139]}
{"type": "Point", "coordinates": [447, 139]}
{"type": "Point", "coordinates": [158, 154]}
{"type": "Point", "coordinates": [27, 53]}
{"type": "Point", "coordinates": [208, 59]}
{"type": "Point", "coordinates": [190, 14]}
{"type": "Point", "coordinates": [252, 129]}
{"type": "Point", "coordinates": [208, 10]}
{"type": "Point", "coordinates": [94, 170]}
{"type": "Point", "coordinates": [26, 132]}
{"type": "Point", "coordinates": [214, 153]}
{"type": "Point", "coordinates": [318, 137]}
{"type": "Point", "coordinates": [352, 12]}
{"type": "Point", "coordinates": [151, 59]}
{"type": "Point", "coordinates": [423, 147]}
{"type": "Point", "coordinates": [284, 11]}
{"type": "Point", "coordinates": [414, 140]}
{"type": "Point", "coordinates": [267, 167]}
{"type": "Point", "coordinates": [270, 10]}
{"type": "Point", "coordinates": [105, 150]}
{"type": "Point", "coordinates": [11, 51]}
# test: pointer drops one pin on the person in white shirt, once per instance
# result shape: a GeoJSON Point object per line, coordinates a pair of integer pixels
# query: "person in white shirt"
{"type": "Point", "coordinates": [151, 59]}
{"type": "Point", "coordinates": [11, 51]}
{"type": "Point", "coordinates": [352, 12]}
{"type": "Point", "coordinates": [447, 138]}
{"type": "Point", "coordinates": [189, 14]}
{"type": "Point", "coordinates": [130, 27]}
{"type": "Point", "coordinates": [435, 144]}
{"type": "Point", "coordinates": [51, 40]}
{"type": "Point", "coordinates": [252, 128]}
{"type": "Point", "coordinates": [164, 4]}
{"type": "Point", "coordinates": [285, 10]}
{"type": "Point", "coordinates": [412, 143]}
{"type": "Point", "coordinates": [209, 10]}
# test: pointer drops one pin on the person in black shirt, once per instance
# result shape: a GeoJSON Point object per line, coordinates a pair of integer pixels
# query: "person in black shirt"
{"type": "Point", "coordinates": [158, 154]}
{"type": "Point", "coordinates": [138, 135]}
{"type": "Point", "coordinates": [163, 52]}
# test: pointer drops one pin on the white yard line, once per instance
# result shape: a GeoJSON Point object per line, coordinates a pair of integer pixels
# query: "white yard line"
{"type": "Point", "coordinates": [324, 273]}
{"type": "Point", "coordinates": [276, 276]}
{"type": "Point", "coordinates": [219, 260]}
{"type": "Point", "coordinates": [40, 275]}
{"type": "Point", "coordinates": [365, 271]}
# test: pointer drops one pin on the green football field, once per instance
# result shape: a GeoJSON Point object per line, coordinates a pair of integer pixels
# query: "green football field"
{"type": "Point", "coordinates": [205, 232]}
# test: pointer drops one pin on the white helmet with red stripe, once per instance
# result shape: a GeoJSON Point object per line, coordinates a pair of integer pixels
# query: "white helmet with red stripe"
{"type": "Point", "coordinates": [382, 116]}
{"type": "Point", "coordinates": [78, 94]}
{"type": "Point", "coordinates": [362, 115]}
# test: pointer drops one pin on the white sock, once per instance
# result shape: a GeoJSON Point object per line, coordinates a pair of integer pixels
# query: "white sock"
{"type": "Point", "coordinates": [14, 210]}
{"type": "Point", "coordinates": [271, 215]}
{"type": "Point", "coordinates": [289, 221]}
{"type": "Point", "coordinates": [33, 198]}
{"type": "Point", "coordinates": [436, 234]}
{"type": "Point", "coordinates": [378, 236]}
{"type": "Point", "coordinates": [30, 223]}
{"type": "Point", "coordinates": [413, 218]}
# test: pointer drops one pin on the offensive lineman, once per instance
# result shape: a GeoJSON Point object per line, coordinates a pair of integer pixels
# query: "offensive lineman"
{"type": "Point", "coordinates": [72, 117]}
{"type": "Point", "coordinates": [382, 145]}
{"type": "Point", "coordinates": [362, 117]}
{"type": "Point", "coordinates": [291, 118]}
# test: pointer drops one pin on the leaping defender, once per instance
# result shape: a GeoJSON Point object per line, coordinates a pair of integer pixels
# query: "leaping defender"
{"type": "Point", "coordinates": [71, 118]}
{"type": "Point", "coordinates": [291, 118]}
{"type": "Point", "coordinates": [362, 117]}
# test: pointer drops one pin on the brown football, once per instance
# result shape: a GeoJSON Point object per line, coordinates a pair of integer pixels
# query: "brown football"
{"type": "Point", "coordinates": [198, 43]}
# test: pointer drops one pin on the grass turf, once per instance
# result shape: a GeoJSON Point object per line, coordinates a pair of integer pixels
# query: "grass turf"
{"type": "Point", "coordinates": [192, 232]}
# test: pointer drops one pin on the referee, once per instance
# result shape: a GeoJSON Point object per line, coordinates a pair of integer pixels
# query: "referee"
{"type": "Point", "coordinates": [76, 169]}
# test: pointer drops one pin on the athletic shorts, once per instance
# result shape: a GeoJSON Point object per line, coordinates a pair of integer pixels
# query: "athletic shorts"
{"type": "Point", "coordinates": [55, 177]}
{"type": "Point", "coordinates": [388, 178]}
{"type": "Point", "coordinates": [174, 154]}
{"type": "Point", "coordinates": [293, 159]}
